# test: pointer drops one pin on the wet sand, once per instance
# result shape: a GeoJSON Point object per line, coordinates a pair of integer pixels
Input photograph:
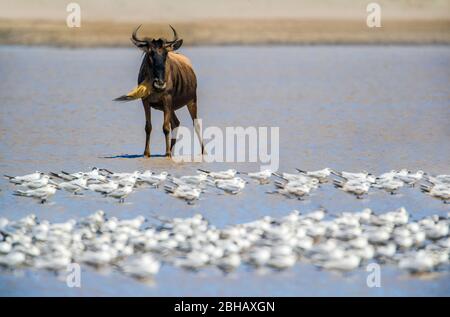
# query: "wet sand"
{"type": "Point", "coordinates": [372, 108]}
{"type": "Point", "coordinates": [230, 22]}
{"type": "Point", "coordinates": [230, 31]}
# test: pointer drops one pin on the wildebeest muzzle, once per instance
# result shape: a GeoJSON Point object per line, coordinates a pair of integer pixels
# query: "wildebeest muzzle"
{"type": "Point", "coordinates": [159, 84]}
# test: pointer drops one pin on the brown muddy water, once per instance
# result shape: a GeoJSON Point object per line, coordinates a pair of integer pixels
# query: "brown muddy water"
{"type": "Point", "coordinates": [353, 108]}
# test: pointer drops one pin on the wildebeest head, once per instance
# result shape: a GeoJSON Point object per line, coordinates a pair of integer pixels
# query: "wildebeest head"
{"type": "Point", "coordinates": [156, 52]}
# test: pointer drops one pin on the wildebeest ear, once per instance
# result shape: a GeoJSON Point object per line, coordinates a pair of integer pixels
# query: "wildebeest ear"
{"type": "Point", "coordinates": [177, 44]}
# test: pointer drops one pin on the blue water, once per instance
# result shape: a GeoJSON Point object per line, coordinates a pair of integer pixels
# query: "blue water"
{"type": "Point", "coordinates": [347, 107]}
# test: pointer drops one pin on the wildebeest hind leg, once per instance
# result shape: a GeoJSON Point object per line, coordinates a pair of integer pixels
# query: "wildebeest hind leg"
{"type": "Point", "coordinates": [192, 107]}
{"type": "Point", "coordinates": [166, 129]}
{"type": "Point", "coordinates": [174, 124]}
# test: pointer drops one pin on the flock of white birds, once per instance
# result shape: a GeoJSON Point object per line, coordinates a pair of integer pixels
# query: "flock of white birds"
{"type": "Point", "coordinates": [41, 186]}
{"type": "Point", "coordinates": [338, 243]}
{"type": "Point", "coordinates": [341, 243]}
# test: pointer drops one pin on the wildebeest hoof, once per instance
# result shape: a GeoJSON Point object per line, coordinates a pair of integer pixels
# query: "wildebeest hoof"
{"type": "Point", "coordinates": [146, 154]}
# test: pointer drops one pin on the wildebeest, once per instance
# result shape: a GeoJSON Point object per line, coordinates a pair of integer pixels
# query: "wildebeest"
{"type": "Point", "coordinates": [170, 81]}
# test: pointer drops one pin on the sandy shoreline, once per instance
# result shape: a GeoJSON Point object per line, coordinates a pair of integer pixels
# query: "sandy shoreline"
{"type": "Point", "coordinates": [229, 32]}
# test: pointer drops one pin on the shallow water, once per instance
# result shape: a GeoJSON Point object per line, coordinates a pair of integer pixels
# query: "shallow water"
{"type": "Point", "coordinates": [347, 107]}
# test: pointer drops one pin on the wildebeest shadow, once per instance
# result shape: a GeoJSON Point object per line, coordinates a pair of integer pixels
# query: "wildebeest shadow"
{"type": "Point", "coordinates": [131, 156]}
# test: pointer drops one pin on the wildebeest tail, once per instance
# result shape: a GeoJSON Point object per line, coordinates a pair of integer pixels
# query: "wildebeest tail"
{"type": "Point", "coordinates": [124, 98]}
{"type": "Point", "coordinates": [142, 90]}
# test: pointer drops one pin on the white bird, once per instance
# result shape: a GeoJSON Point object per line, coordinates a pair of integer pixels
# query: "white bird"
{"type": "Point", "coordinates": [417, 262]}
{"type": "Point", "coordinates": [445, 179]}
{"type": "Point", "coordinates": [389, 185]}
{"type": "Point", "coordinates": [402, 172]}
{"type": "Point", "coordinates": [387, 250]}
{"type": "Point", "coordinates": [229, 262]}
{"type": "Point", "coordinates": [42, 193]}
{"type": "Point", "coordinates": [185, 192]}
{"type": "Point", "coordinates": [352, 175]}
{"type": "Point", "coordinates": [377, 235]}
{"type": "Point", "coordinates": [134, 223]}
{"type": "Point", "coordinates": [5, 247]}
{"type": "Point", "coordinates": [299, 179]}
{"type": "Point", "coordinates": [296, 189]}
{"type": "Point", "coordinates": [96, 179]}
{"type": "Point", "coordinates": [228, 174]}
{"type": "Point", "coordinates": [25, 178]}
{"type": "Point", "coordinates": [282, 262]}
{"type": "Point", "coordinates": [94, 172]}
{"type": "Point", "coordinates": [346, 263]}
{"type": "Point", "coordinates": [354, 187]}
{"type": "Point", "coordinates": [13, 259]}
{"type": "Point", "coordinates": [128, 180]}
{"type": "Point", "coordinates": [386, 176]}
{"type": "Point", "coordinates": [121, 193]}
{"type": "Point", "coordinates": [321, 175]}
{"type": "Point", "coordinates": [117, 176]}
{"type": "Point", "coordinates": [360, 176]}
{"type": "Point", "coordinates": [34, 184]}
{"type": "Point", "coordinates": [388, 219]}
{"type": "Point", "coordinates": [104, 188]}
{"type": "Point", "coordinates": [261, 176]}
{"type": "Point", "coordinates": [152, 178]}
{"type": "Point", "coordinates": [259, 256]}
{"type": "Point", "coordinates": [53, 263]}
{"type": "Point", "coordinates": [193, 260]}
{"type": "Point", "coordinates": [141, 267]}
{"type": "Point", "coordinates": [410, 178]}
{"type": "Point", "coordinates": [195, 180]}
{"type": "Point", "coordinates": [436, 230]}
{"type": "Point", "coordinates": [296, 177]}
{"type": "Point", "coordinates": [74, 186]}
{"type": "Point", "coordinates": [441, 191]}
{"type": "Point", "coordinates": [98, 258]}
{"type": "Point", "coordinates": [232, 186]}
{"type": "Point", "coordinates": [404, 242]}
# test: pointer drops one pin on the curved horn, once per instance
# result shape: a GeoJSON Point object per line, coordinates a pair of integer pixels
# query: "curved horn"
{"type": "Point", "coordinates": [175, 35]}
{"type": "Point", "coordinates": [135, 40]}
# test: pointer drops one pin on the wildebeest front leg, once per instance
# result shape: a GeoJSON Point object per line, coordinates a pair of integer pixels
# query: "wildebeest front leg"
{"type": "Point", "coordinates": [166, 124]}
{"type": "Point", "coordinates": [148, 127]}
